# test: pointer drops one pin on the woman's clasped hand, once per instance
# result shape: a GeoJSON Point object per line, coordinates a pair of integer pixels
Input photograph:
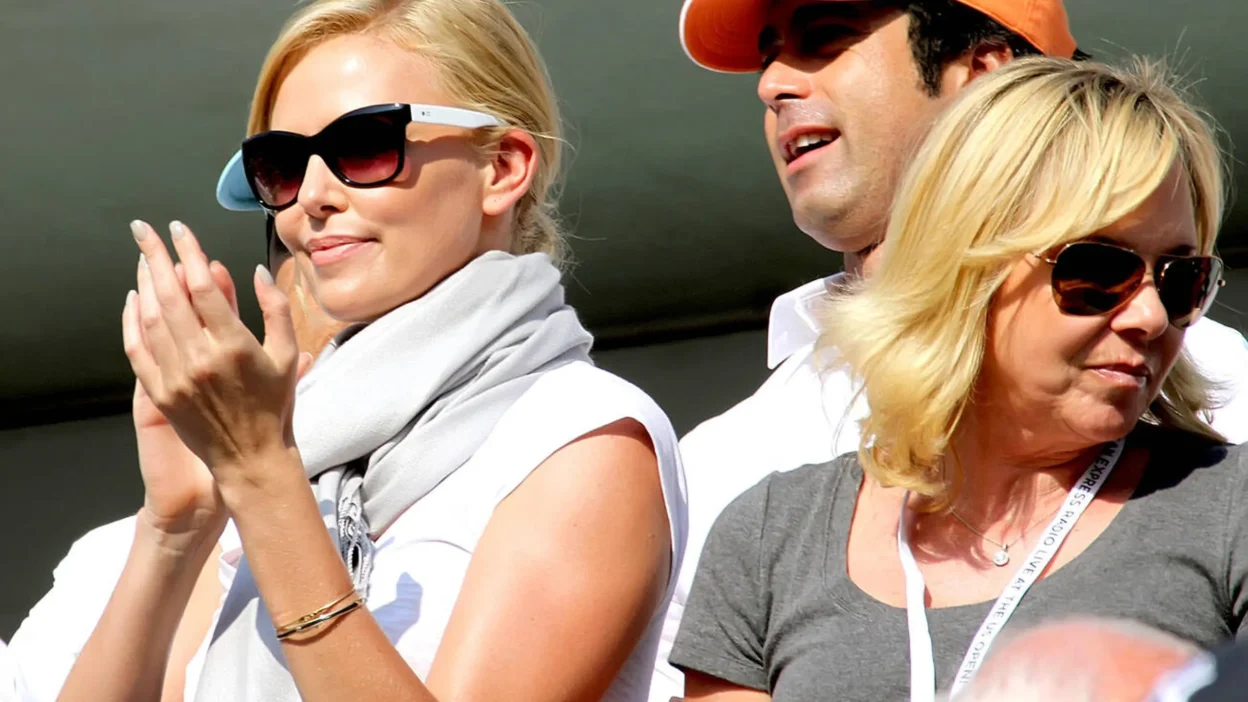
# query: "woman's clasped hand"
{"type": "Point", "coordinates": [228, 397]}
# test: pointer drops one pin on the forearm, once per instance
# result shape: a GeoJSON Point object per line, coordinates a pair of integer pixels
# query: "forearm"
{"type": "Point", "coordinates": [298, 569]}
{"type": "Point", "coordinates": [126, 656]}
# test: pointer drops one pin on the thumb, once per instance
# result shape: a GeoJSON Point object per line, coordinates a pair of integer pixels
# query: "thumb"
{"type": "Point", "coordinates": [279, 330]}
{"type": "Point", "coordinates": [305, 364]}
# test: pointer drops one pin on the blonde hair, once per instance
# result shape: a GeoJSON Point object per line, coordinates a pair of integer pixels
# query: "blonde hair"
{"type": "Point", "coordinates": [1040, 152]}
{"type": "Point", "coordinates": [485, 61]}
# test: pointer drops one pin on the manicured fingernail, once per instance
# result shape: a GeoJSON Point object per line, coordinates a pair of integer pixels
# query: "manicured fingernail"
{"type": "Point", "coordinates": [264, 274]}
{"type": "Point", "coordinates": [143, 261]}
{"type": "Point", "coordinates": [177, 230]}
{"type": "Point", "coordinates": [139, 230]}
{"type": "Point", "coordinates": [130, 297]}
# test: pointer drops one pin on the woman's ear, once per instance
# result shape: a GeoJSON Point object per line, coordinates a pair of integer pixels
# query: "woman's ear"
{"type": "Point", "coordinates": [509, 174]}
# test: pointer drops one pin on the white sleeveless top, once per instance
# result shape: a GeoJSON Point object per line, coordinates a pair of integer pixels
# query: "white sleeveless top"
{"type": "Point", "coordinates": [421, 559]}
{"type": "Point", "coordinates": [10, 691]}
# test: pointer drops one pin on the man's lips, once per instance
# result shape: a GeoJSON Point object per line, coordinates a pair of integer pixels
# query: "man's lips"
{"type": "Point", "coordinates": [800, 140]}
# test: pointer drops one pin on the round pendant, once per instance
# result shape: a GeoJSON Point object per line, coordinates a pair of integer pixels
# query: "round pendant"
{"type": "Point", "coordinates": [1001, 558]}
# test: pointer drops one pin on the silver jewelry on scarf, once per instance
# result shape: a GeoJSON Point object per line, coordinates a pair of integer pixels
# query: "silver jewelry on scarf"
{"type": "Point", "coordinates": [341, 487]}
{"type": "Point", "coordinates": [386, 414]}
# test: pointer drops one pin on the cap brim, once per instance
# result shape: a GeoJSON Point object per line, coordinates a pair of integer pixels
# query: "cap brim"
{"type": "Point", "coordinates": [233, 190]}
{"type": "Point", "coordinates": [722, 35]}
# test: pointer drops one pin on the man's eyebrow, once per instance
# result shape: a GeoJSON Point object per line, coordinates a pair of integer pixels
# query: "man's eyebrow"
{"type": "Point", "coordinates": [767, 38]}
{"type": "Point", "coordinates": [852, 13]}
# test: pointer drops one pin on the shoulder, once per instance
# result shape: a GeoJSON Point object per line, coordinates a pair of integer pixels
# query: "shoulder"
{"type": "Point", "coordinates": [1231, 464]}
{"type": "Point", "coordinates": [570, 402]}
{"type": "Point", "coordinates": [1177, 456]}
{"type": "Point", "coordinates": [574, 402]}
{"type": "Point", "coordinates": [816, 478]}
{"type": "Point", "coordinates": [782, 502]}
{"type": "Point", "coordinates": [1190, 475]}
{"type": "Point", "coordinates": [580, 399]}
{"type": "Point", "coordinates": [583, 397]}
{"type": "Point", "coordinates": [776, 527]}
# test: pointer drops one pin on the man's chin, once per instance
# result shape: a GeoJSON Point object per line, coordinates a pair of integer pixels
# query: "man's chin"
{"type": "Point", "coordinates": [837, 234]}
{"type": "Point", "coordinates": [829, 218]}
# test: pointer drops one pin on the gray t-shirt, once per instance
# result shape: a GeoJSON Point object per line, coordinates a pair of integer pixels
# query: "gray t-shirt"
{"type": "Point", "coordinates": [772, 607]}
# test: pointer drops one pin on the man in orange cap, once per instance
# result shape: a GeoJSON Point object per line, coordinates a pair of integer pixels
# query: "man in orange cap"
{"type": "Point", "coordinates": [850, 88]}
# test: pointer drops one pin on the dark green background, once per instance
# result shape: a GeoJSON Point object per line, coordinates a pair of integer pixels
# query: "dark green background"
{"type": "Point", "coordinates": [123, 110]}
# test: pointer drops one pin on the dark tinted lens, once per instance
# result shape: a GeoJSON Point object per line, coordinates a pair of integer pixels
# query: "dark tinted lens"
{"type": "Point", "coordinates": [275, 163]}
{"type": "Point", "coordinates": [1090, 278]}
{"type": "Point", "coordinates": [366, 149]}
{"type": "Point", "coordinates": [1186, 286]}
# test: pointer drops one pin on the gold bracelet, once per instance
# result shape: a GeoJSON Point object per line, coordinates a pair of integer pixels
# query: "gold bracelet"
{"type": "Point", "coordinates": [316, 618]}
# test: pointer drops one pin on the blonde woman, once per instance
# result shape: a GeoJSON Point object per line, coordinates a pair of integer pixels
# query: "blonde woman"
{"type": "Point", "coordinates": [503, 517]}
{"type": "Point", "coordinates": [1036, 444]}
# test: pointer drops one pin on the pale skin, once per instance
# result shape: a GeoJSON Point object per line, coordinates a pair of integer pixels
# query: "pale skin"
{"type": "Point", "coordinates": [571, 565]}
{"type": "Point", "coordinates": [1046, 407]}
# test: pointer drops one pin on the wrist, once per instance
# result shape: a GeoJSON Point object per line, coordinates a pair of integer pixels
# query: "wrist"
{"type": "Point", "coordinates": [261, 481]}
{"type": "Point", "coordinates": [177, 552]}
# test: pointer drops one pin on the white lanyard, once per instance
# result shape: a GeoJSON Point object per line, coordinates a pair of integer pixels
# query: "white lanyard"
{"type": "Point", "coordinates": [922, 666]}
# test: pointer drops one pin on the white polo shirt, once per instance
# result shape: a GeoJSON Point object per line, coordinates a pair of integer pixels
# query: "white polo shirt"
{"type": "Point", "coordinates": [796, 419]}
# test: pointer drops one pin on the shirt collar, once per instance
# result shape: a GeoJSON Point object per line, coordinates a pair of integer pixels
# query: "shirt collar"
{"type": "Point", "coordinates": [793, 323]}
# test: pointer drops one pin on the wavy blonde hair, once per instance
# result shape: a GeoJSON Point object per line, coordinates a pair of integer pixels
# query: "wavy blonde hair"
{"type": "Point", "coordinates": [485, 61]}
{"type": "Point", "coordinates": [1040, 152]}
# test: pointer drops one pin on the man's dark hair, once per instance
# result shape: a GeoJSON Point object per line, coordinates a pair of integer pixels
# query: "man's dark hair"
{"type": "Point", "coordinates": [944, 30]}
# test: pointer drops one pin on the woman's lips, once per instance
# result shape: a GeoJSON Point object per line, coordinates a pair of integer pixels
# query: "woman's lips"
{"type": "Point", "coordinates": [327, 251]}
{"type": "Point", "coordinates": [1122, 376]}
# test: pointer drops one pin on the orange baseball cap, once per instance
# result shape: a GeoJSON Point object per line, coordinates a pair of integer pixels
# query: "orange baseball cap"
{"type": "Point", "coordinates": [722, 35]}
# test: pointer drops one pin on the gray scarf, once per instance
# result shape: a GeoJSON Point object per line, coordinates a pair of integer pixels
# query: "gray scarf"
{"type": "Point", "coordinates": [392, 410]}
